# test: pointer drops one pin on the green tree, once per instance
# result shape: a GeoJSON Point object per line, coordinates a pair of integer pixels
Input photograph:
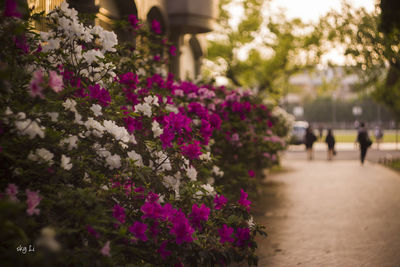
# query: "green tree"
{"type": "Point", "coordinates": [372, 49]}
{"type": "Point", "coordinates": [276, 48]}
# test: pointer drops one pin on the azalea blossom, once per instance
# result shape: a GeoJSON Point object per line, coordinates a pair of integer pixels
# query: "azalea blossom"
{"type": "Point", "coordinates": [33, 200]}
{"type": "Point", "coordinates": [106, 249]}
{"type": "Point", "coordinates": [55, 81]}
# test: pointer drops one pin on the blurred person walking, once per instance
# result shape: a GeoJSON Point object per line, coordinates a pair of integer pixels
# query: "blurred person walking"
{"type": "Point", "coordinates": [309, 140]}
{"type": "Point", "coordinates": [364, 141]}
{"type": "Point", "coordinates": [378, 133]}
{"type": "Point", "coordinates": [330, 141]}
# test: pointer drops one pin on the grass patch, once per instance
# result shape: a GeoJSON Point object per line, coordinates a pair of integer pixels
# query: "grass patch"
{"type": "Point", "coordinates": [351, 137]}
{"type": "Point", "coordinates": [393, 164]}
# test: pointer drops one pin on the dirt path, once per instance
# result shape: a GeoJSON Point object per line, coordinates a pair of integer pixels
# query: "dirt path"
{"type": "Point", "coordinates": [336, 213]}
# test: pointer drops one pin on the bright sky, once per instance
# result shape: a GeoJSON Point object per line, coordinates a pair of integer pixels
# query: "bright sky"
{"type": "Point", "coordinates": [307, 11]}
{"type": "Point", "coordinates": [311, 10]}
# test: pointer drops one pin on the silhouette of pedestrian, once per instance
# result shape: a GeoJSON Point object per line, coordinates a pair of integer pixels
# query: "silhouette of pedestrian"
{"type": "Point", "coordinates": [378, 133]}
{"type": "Point", "coordinates": [330, 141]}
{"type": "Point", "coordinates": [310, 138]}
{"type": "Point", "coordinates": [364, 141]}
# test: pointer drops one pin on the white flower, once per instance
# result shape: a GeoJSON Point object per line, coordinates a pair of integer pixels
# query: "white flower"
{"type": "Point", "coordinates": [191, 173]}
{"type": "Point", "coordinates": [109, 40]}
{"type": "Point", "coordinates": [65, 162]}
{"type": "Point", "coordinates": [92, 55]}
{"type": "Point", "coordinates": [114, 162]}
{"type": "Point", "coordinates": [210, 191]}
{"type": "Point", "coordinates": [71, 141]}
{"type": "Point", "coordinates": [144, 108]}
{"type": "Point", "coordinates": [205, 157]}
{"type": "Point", "coordinates": [53, 116]}
{"type": "Point", "coordinates": [162, 161]}
{"type": "Point", "coordinates": [30, 128]}
{"type": "Point", "coordinates": [51, 44]}
{"type": "Point", "coordinates": [217, 171]}
{"type": "Point", "coordinates": [172, 108]}
{"type": "Point", "coordinates": [250, 222]}
{"type": "Point", "coordinates": [78, 119]}
{"type": "Point", "coordinates": [47, 240]}
{"type": "Point", "coordinates": [120, 133]}
{"type": "Point", "coordinates": [41, 154]}
{"type": "Point", "coordinates": [136, 157]}
{"type": "Point", "coordinates": [70, 104]}
{"type": "Point", "coordinates": [96, 110]}
{"type": "Point", "coordinates": [157, 131]}
{"type": "Point", "coordinates": [98, 129]}
{"type": "Point", "coordinates": [151, 100]}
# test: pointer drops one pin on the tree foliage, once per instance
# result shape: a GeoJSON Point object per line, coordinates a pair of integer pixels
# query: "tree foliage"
{"type": "Point", "coordinates": [275, 47]}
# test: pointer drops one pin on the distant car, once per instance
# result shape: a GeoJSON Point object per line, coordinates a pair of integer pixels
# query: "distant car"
{"type": "Point", "coordinates": [299, 132]}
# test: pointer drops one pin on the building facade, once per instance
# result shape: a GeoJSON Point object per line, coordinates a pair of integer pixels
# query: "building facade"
{"type": "Point", "coordinates": [183, 21]}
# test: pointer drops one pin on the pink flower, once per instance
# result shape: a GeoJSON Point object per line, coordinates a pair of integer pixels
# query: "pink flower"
{"type": "Point", "coordinates": [242, 235]}
{"type": "Point", "coordinates": [219, 201]}
{"type": "Point", "coordinates": [235, 137]}
{"type": "Point", "coordinates": [172, 50]}
{"type": "Point", "coordinates": [33, 200]}
{"type": "Point", "coordinates": [181, 228]}
{"type": "Point", "coordinates": [251, 173]}
{"type": "Point", "coordinates": [192, 151]}
{"type": "Point", "coordinates": [106, 249]}
{"type": "Point", "coordinates": [119, 213]}
{"type": "Point", "coordinates": [243, 199]}
{"type": "Point", "coordinates": [133, 20]}
{"type": "Point", "coordinates": [92, 231]}
{"type": "Point", "coordinates": [11, 9]}
{"type": "Point", "coordinates": [162, 251]}
{"type": "Point", "coordinates": [199, 214]}
{"type": "Point", "coordinates": [138, 229]}
{"type": "Point", "coordinates": [11, 192]}
{"type": "Point", "coordinates": [225, 234]}
{"type": "Point", "coordinates": [55, 81]}
{"type": "Point", "coordinates": [35, 85]}
{"type": "Point", "coordinates": [156, 26]}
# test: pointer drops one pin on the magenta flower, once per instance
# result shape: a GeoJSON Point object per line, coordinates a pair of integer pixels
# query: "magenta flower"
{"type": "Point", "coordinates": [102, 95]}
{"type": "Point", "coordinates": [91, 231]}
{"type": "Point", "coordinates": [119, 213]}
{"type": "Point", "coordinates": [198, 215]}
{"type": "Point", "coordinates": [172, 50]}
{"type": "Point", "coordinates": [162, 251]}
{"type": "Point", "coordinates": [156, 26]}
{"type": "Point", "coordinates": [251, 173]}
{"type": "Point", "coordinates": [242, 235]}
{"type": "Point", "coordinates": [225, 234]}
{"type": "Point", "coordinates": [192, 151]}
{"type": "Point", "coordinates": [157, 58]}
{"type": "Point", "coordinates": [35, 85]}
{"type": "Point", "coordinates": [11, 9]}
{"type": "Point", "coordinates": [151, 210]}
{"type": "Point", "coordinates": [11, 192]}
{"type": "Point", "coordinates": [215, 121]}
{"type": "Point", "coordinates": [129, 79]}
{"type": "Point", "coordinates": [133, 20]}
{"type": "Point", "coordinates": [219, 201]}
{"type": "Point", "coordinates": [106, 249]}
{"type": "Point", "coordinates": [55, 81]}
{"type": "Point", "coordinates": [243, 199]}
{"type": "Point", "coordinates": [181, 228]}
{"type": "Point", "coordinates": [33, 200]}
{"type": "Point", "coordinates": [20, 42]}
{"type": "Point", "coordinates": [138, 229]}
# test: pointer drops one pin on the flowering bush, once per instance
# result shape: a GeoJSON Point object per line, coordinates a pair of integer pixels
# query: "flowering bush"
{"type": "Point", "coordinates": [107, 160]}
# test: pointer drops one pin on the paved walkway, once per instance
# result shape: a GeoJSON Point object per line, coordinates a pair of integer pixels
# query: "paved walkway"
{"type": "Point", "coordinates": [337, 213]}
